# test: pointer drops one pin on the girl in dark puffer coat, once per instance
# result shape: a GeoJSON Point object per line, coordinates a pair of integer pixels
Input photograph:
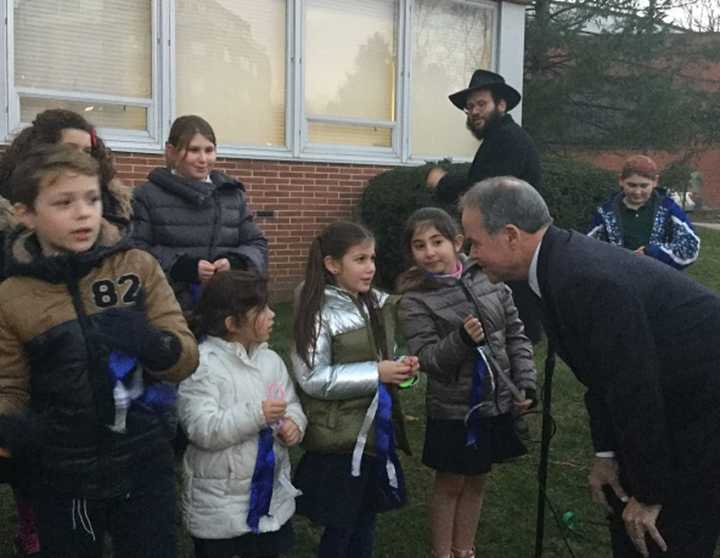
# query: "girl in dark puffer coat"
{"type": "Point", "coordinates": [193, 219]}
{"type": "Point", "coordinates": [470, 342]}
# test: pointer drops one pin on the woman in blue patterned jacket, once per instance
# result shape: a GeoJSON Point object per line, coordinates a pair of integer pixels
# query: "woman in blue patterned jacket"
{"type": "Point", "coordinates": [644, 220]}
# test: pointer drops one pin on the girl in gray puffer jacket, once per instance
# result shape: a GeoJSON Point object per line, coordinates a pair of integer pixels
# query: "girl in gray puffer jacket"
{"type": "Point", "coordinates": [470, 342]}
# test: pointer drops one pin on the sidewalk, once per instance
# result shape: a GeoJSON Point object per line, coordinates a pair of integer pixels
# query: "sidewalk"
{"type": "Point", "coordinates": [714, 226]}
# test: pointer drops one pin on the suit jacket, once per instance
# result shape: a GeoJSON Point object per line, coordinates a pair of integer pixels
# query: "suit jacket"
{"type": "Point", "coordinates": [507, 150]}
{"type": "Point", "coordinates": [645, 340]}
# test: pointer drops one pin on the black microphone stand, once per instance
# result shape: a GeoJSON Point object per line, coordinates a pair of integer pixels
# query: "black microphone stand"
{"type": "Point", "coordinates": [544, 448]}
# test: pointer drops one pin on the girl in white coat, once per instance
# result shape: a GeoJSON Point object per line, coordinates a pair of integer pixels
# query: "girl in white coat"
{"type": "Point", "coordinates": [240, 412]}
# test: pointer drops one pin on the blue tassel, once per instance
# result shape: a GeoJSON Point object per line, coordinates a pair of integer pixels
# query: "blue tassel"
{"type": "Point", "coordinates": [121, 365]}
{"type": "Point", "coordinates": [195, 291]}
{"type": "Point", "coordinates": [385, 445]}
{"type": "Point", "coordinates": [262, 480]}
{"type": "Point", "coordinates": [159, 395]}
{"type": "Point", "coordinates": [477, 393]}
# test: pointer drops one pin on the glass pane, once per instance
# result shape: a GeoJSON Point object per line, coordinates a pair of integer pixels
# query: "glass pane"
{"type": "Point", "coordinates": [350, 58]}
{"type": "Point", "coordinates": [100, 115]}
{"type": "Point", "coordinates": [230, 63]}
{"type": "Point", "coordinates": [344, 134]}
{"type": "Point", "coordinates": [450, 41]}
{"type": "Point", "coordinates": [89, 46]}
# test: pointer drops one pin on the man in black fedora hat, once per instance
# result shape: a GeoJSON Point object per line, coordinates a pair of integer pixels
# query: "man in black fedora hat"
{"type": "Point", "coordinates": [506, 150]}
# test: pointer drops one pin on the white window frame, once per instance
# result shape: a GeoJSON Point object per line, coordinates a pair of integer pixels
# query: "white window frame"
{"type": "Point", "coordinates": [130, 140]}
{"type": "Point", "coordinates": [422, 159]}
{"type": "Point", "coordinates": [506, 56]}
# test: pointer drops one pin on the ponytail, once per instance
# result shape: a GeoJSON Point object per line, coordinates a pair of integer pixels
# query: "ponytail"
{"type": "Point", "coordinates": [334, 241]}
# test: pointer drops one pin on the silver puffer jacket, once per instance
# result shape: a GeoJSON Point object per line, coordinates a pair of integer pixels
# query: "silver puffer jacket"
{"type": "Point", "coordinates": [337, 380]}
{"type": "Point", "coordinates": [338, 390]}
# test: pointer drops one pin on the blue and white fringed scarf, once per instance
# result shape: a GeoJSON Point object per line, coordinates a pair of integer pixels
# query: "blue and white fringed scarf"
{"type": "Point", "coordinates": [128, 386]}
{"type": "Point", "coordinates": [380, 411]}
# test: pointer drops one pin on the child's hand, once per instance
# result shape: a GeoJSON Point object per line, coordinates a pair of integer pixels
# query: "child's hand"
{"type": "Point", "coordinates": [527, 401]}
{"type": "Point", "coordinates": [413, 363]}
{"type": "Point", "coordinates": [524, 405]}
{"type": "Point", "coordinates": [205, 270]}
{"type": "Point", "coordinates": [474, 329]}
{"type": "Point", "coordinates": [394, 371]}
{"type": "Point", "coordinates": [640, 251]}
{"type": "Point", "coordinates": [273, 409]}
{"type": "Point", "coordinates": [223, 264]}
{"type": "Point", "coordinates": [4, 452]}
{"type": "Point", "coordinates": [289, 432]}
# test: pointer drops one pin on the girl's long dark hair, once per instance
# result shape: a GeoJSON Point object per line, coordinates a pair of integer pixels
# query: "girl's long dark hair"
{"type": "Point", "coordinates": [47, 128]}
{"type": "Point", "coordinates": [229, 293]}
{"type": "Point", "coordinates": [334, 241]}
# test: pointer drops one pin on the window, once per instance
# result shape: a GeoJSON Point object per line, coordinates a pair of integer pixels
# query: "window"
{"type": "Point", "coordinates": [230, 68]}
{"type": "Point", "coordinates": [350, 76]}
{"type": "Point", "coordinates": [450, 40]}
{"type": "Point", "coordinates": [335, 80]}
{"type": "Point", "coordinates": [72, 55]}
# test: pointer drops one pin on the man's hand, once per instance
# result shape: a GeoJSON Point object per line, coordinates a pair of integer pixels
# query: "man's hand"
{"type": "Point", "coordinates": [4, 452]}
{"type": "Point", "coordinates": [640, 521]}
{"type": "Point", "coordinates": [434, 176]}
{"type": "Point", "coordinates": [604, 471]}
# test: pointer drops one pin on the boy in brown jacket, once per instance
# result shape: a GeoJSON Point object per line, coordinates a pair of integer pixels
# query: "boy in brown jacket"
{"type": "Point", "coordinates": [88, 327]}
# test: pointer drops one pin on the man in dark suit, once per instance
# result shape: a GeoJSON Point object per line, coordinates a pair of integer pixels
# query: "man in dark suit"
{"type": "Point", "coordinates": [506, 150]}
{"type": "Point", "coordinates": [645, 340]}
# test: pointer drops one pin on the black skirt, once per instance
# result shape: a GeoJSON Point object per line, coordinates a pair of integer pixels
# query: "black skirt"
{"type": "Point", "coordinates": [446, 448]}
{"type": "Point", "coordinates": [250, 545]}
{"type": "Point", "coordinates": [332, 497]}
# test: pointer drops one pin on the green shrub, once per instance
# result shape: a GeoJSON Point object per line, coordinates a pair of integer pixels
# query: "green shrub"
{"type": "Point", "coordinates": [572, 190]}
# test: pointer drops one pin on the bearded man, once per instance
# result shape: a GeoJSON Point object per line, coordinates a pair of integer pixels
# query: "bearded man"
{"type": "Point", "coordinates": [506, 150]}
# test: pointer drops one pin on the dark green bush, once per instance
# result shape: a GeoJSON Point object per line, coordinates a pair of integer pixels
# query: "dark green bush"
{"type": "Point", "coordinates": [572, 190]}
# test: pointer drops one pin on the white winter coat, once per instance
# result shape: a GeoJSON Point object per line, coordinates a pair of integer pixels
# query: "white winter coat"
{"type": "Point", "coordinates": [220, 408]}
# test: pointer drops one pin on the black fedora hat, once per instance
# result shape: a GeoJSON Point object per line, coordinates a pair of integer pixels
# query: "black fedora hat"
{"type": "Point", "coordinates": [483, 79]}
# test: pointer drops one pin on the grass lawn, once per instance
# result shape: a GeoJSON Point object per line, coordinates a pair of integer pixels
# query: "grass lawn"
{"type": "Point", "coordinates": [507, 527]}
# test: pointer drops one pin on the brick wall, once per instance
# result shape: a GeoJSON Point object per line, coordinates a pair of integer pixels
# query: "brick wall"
{"type": "Point", "coordinates": [292, 201]}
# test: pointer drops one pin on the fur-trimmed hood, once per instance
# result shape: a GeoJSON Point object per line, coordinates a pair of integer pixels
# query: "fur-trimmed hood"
{"type": "Point", "coordinates": [117, 202]}
{"type": "Point", "coordinates": [22, 254]}
{"type": "Point", "coordinates": [7, 216]}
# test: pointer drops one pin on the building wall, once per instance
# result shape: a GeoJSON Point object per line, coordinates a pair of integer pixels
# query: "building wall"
{"type": "Point", "coordinates": [292, 202]}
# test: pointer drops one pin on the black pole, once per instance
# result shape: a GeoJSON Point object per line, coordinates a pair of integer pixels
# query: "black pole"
{"type": "Point", "coordinates": [544, 449]}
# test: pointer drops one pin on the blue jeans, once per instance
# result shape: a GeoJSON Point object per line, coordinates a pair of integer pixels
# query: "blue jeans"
{"type": "Point", "coordinates": [355, 542]}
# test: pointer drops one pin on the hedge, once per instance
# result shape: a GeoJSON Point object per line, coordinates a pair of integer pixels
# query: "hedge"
{"type": "Point", "coordinates": [572, 190]}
